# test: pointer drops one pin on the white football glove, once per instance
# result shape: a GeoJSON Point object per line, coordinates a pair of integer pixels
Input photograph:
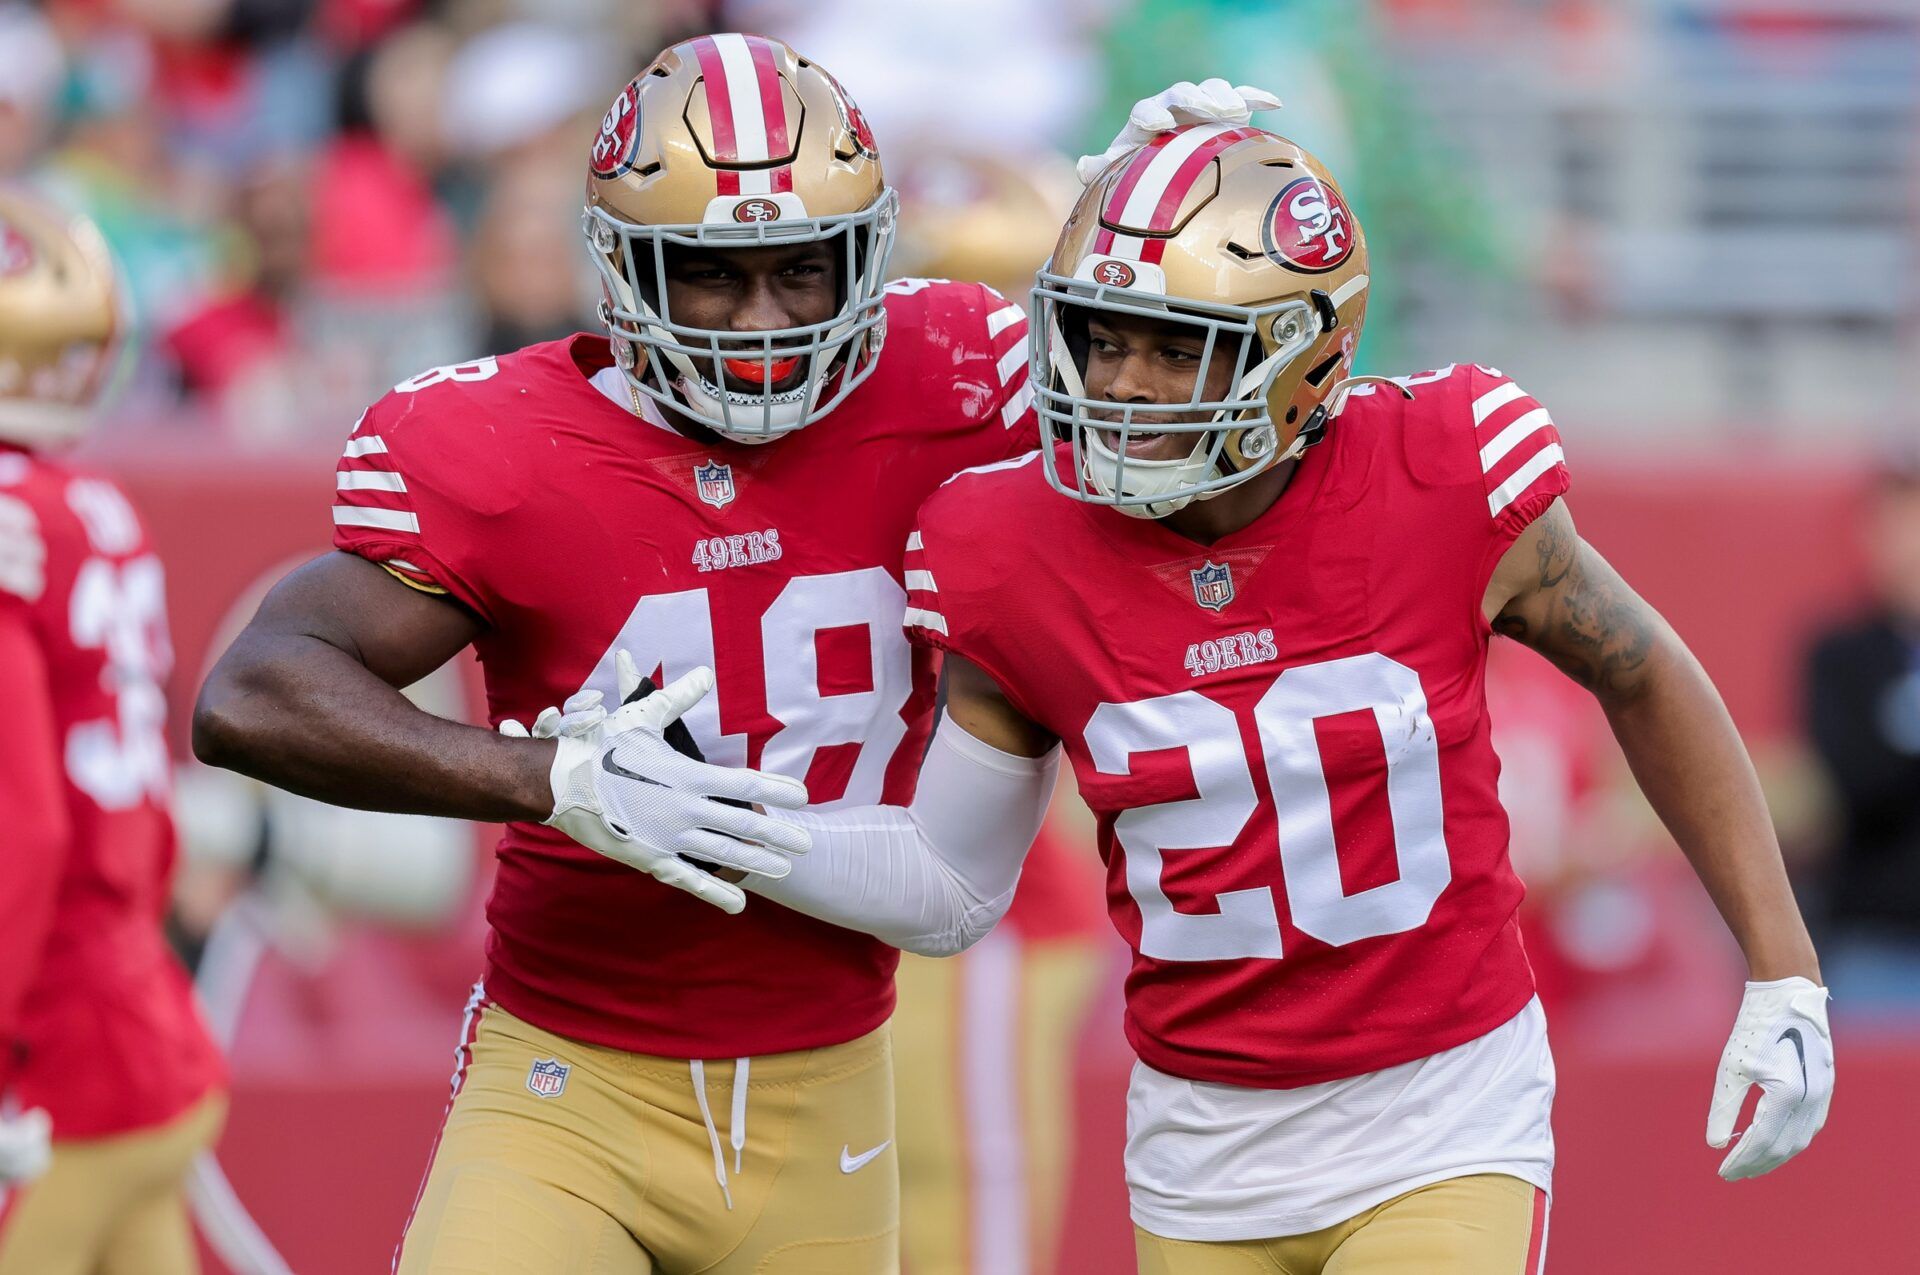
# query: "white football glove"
{"type": "Point", "coordinates": [1208, 102]}
{"type": "Point", "coordinates": [620, 789]}
{"type": "Point", "coordinates": [26, 1146]}
{"type": "Point", "coordinates": [582, 712]}
{"type": "Point", "coordinates": [1781, 1043]}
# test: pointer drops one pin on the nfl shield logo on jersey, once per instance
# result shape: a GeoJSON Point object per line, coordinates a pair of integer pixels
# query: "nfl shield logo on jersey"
{"type": "Point", "coordinates": [548, 1077]}
{"type": "Point", "coordinates": [1213, 585]}
{"type": "Point", "coordinates": [714, 483]}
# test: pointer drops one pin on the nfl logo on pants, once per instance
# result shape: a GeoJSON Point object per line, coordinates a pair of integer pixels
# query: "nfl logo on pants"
{"type": "Point", "coordinates": [1213, 585]}
{"type": "Point", "coordinates": [714, 483]}
{"type": "Point", "coordinates": [548, 1077]}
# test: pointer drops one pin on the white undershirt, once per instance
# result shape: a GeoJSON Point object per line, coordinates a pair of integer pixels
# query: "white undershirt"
{"type": "Point", "coordinates": [1226, 1162]}
{"type": "Point", "coordinates": [612, 382]}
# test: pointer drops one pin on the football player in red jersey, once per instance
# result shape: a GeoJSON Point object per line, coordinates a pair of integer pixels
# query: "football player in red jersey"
{"type": "Point", "coordinates": [1259, 629]}
{"type": "Point", "coordinates": [101, 1043]}
{"type": "Point", "coordinates": [645, 1083]}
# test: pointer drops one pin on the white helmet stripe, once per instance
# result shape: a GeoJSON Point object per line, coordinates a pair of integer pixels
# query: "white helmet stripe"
{"type": "Point", "coordinates": [1161, 170]}
{"type": "Point", "coordinates": [743, 97]}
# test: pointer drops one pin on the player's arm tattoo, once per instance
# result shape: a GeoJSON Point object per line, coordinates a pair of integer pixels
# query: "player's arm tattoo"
{"type": "Point", "coordinates": [1577, 611]}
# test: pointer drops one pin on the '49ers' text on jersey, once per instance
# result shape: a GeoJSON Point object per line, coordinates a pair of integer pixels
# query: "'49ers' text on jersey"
{"type": "Point", "coordinates": [574, 527]}
{"type": "Point", "coordinates": [1283, 735]}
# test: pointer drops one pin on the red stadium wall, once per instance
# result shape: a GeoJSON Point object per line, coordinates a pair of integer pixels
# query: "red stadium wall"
{"type": "Point", "coordinates": [341, 1072]}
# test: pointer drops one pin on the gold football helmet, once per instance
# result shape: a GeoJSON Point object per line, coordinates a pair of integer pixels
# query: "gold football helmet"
{"type": "Point", "coordinates": [59, 320]}
{"type": "Point", "coordinates": [976, 216]}
{"type": "Point", "coordinates": [729, 141]}
{"type": "Point", "coordinates": [1243, 236]}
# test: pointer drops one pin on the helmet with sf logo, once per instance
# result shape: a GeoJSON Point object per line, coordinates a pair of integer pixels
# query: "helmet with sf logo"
{"type": "Point", "coordinates": [1241, 236]}
{"type": "Point", "coordinates": [736, 141]}
{"type": "Point", "coordinates": [59, 321]}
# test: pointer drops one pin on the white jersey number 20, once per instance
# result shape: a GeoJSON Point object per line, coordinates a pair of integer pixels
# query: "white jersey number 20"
{"type": "Point", "coordinates": [1246, 924]}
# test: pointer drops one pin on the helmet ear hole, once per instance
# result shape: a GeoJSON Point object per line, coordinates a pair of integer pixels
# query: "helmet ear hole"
{"type": "Point", "coordinates": [1318, 374]}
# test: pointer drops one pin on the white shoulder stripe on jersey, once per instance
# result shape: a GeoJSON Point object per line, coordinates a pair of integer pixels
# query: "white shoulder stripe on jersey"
{"type": "Point", "coordinates": [922, 580]}
{"type": "Point", "coordinates": [385, 519]}
{"type": "Point", "coordinates": [1019, 403]}
{"type": "Point", "coordinates": [914, 541]}
{"type": "Point", "coordinates": [1495, 399]}
{"type": "Point", "coordinates": [1512, 489]}
{"type": "Point", "coordinates": [1000, 320]}
{"type": "Point", "coordinates": [1012, 363]}
{"type": "Point", "coordinates": [1512, 436]}
{"type": "Point", "coordinates": [368, 480]}
{"type": "Point", "coordinates": [918, 618]}
{"type": "Point", "coordinates": [366, 446]}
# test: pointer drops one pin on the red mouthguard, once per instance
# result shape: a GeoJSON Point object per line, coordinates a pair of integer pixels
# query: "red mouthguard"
{"type": "Point", "coordinates": [761, 371]}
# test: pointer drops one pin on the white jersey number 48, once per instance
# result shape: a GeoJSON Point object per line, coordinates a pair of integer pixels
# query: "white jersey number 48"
{"type": "Point", "coordinates": [1246, 923]}
{"type": "Point", "coordinates": [674, 632]}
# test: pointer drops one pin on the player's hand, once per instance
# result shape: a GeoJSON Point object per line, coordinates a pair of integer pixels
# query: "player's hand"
{"type": "Point", "coordinates": [622, 790]}
{"type": "Point", "coordinates": [1208, 102]}
{"type": "Point", "coordinates": [26, 1146]}
{"type": "Point", "coordinates": [1781, 1043]}
{"type": "Point", "coordinates": [582, 713]}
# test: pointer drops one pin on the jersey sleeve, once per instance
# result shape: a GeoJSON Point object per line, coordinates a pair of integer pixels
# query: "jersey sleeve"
{"type": "Point", "coordinates": [23, 554]}
{"type": "Point", "coordinates": [1013, 402]}
{"type": "Point", "coordinates": [396, 499]}
{"type": "Point", "coordinates": [33, 797]}
{"type": "Point", "coordinates": [926, 621]}
{"type": "Point", "coordinates": [946, 596]}
{"type": "Point", "coordinates": [1523, 468]}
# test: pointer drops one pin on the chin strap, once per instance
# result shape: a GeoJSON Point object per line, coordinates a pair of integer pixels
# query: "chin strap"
{"type": "Point", "coordinates": [1336, 401]}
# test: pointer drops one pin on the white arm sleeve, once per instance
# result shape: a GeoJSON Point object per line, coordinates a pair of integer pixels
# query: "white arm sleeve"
{"type": "Point", "coordinates": [932, 877]}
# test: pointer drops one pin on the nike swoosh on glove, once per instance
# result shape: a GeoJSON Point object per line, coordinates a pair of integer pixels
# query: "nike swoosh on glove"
{"type": "Point", "coordinates": [26, 1146]}
{"type": "Point", "coordinates": [1781, 1043]}
{"type": "Point", "coordinates": [622, 790]}
{"type": "Point", "coordinates": [1211, 101]}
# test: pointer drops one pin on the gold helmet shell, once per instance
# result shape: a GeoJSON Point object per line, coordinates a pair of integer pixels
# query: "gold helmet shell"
{"type": "Point", "coordinates": [1246, 237]}
{"type": "Point", "coordinates": [735, 141]}
{"type": "Point", "coordinates": [59, 320]}
{"type": "Point", "coordinates": [990, 217]}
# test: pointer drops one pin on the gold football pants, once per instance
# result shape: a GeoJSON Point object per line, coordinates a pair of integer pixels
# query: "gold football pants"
{"type": "Point", "coordinates": [561, 1156]}
{"type": "Point", "coordinates": [984, 1044]}
{"type": "Point", "coordinates": [112, 1206]}
{"type": "Point", "coordinates": [1488, 1224]}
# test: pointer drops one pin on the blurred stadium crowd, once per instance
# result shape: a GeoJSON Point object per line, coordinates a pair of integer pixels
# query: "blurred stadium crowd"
{"type": "Point", "coordinates": [315, 197]}
{"type": "Point", "coordinates": [1690, 225]}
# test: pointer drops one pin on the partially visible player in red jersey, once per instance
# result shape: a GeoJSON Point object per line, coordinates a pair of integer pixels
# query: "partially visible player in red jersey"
{"type": "Point", "coordinates": [646, 1083]}
{"type": "Point", "coordinates": [101, 1043]}
{"type": "Point", "coordinates": [1259, 630]}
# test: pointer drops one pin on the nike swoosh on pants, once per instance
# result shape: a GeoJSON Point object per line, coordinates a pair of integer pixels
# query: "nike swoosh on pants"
{"type": "Point", "coordinates": [855, 1163]}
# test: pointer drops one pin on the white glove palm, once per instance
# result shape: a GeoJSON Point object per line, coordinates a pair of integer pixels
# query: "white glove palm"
{"type": "Point", "coordinates": [1781, 1043]}
{"type": "Point", "coordinates": [1208, 102]}
{"type": "Point", "coordinates": [26, 1146]}
{"type": "Point", "coordinates": [622, 790]}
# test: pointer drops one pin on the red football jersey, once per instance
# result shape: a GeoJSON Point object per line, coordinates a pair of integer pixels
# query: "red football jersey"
{"type": "Point", "coordinates": [1283, 735]}
{"type": "Point", "coordinates": [97, 1018]}
{"type": "Point", "coordinates": [573, 528]}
